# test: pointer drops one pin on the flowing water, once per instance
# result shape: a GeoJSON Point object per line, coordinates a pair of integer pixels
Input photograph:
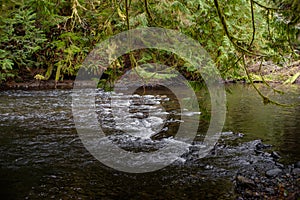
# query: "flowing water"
{"type": "Point", "coordinates": [42, 155]}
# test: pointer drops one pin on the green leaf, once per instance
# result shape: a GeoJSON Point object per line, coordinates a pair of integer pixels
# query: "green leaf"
{"type": "Point", "coordinates": [6, 64]}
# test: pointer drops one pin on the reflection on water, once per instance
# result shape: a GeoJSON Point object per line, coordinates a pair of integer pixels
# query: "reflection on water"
{"type": "Point", "coordinates": [43, 157]}
{"type": "Point", "coordinates": [279, 126]}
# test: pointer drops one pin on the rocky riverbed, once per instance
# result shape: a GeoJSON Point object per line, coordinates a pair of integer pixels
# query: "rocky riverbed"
{"type": "Point", "coordinates": [254, 169]}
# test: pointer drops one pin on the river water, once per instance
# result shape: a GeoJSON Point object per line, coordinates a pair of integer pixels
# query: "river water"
{"type": "Point", "coordinates": [42, 155]}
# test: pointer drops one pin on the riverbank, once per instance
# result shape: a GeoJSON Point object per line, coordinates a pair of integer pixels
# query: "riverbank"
{"type": "Point", "coordinates": [260, 73]}
{"type": "Point", "coordinates": [37, 85]}
{"type": "Point", "coordinates": [269, 72]}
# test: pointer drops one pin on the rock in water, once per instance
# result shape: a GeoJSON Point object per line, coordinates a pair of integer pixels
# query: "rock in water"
{"type": "Point", "coordinates": [296, 171]}
{"type": "Point", "coordinates": [273, 172]}
{"type": "Point", "coordinates": [275, 155]}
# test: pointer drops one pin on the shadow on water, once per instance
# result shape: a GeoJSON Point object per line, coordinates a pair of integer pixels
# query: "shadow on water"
{"type": "Point", "coordinates": [43, 157]}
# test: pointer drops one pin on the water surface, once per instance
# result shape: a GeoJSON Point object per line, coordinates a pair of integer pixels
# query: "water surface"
{"type": "Point", "coordinates": [43, 157]}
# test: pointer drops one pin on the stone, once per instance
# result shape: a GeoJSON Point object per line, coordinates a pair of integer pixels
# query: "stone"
{"type": "Point", "coordinates": [208, 167]}
{"type": "Point", "coordinates": [260, 146]}
{"type": "Point", "coordinates": [275, 155]}
{"type": "Point", "coordinates": [296, 171]}
{"type": "Point", "coordinates": [273, 172]}
{"type": "Point", "coordinates": [270, 190]}
{"type": "Point", "coordinates": [244, 181]}
{"type": "Point", "coordinates": [279, 165]}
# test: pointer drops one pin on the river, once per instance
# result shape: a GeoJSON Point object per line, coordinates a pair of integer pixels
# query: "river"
{"type": "Point", "coordinates": [42, 155]}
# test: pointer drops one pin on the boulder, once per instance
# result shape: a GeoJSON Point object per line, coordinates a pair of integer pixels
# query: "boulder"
{"type": "Point", "coordinates": [273, 172]}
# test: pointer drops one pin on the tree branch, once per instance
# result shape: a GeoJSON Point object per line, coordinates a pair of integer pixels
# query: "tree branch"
{"type": "Point", "coordinates": [127, 14]}
{"type": "Point", "coordinates": [253, 24]}
{"type": "Point", "coordinates": [147, 10]}
{"type": "Point", "coordinates": [230, 37]}
{"type": "Point", "coordinates": [265, 7]}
